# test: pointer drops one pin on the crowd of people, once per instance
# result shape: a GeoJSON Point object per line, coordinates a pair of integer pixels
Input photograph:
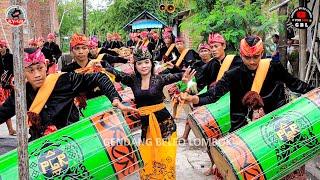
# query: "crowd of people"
{"type": "Point", "coordinates": [158, 60]}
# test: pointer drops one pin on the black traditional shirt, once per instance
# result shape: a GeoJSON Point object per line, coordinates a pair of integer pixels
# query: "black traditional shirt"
{"type": "Point", "coordinates": [107, 58]}
{"type": "Point", "coordinates": [54, 48]}
{"type": "Point", "coordinates": [59, 109]}
{"type": "Point", "coordinates": [191, 59]}
{"type": "Point", "coordinates": [210, 71]}
{"type": "Point", "coordinates": [239, 81]}
{"type": "Point", "coordinates": [152, 96]}
{"type": "Point", "coordinates": [6, 70]}
{"type": "Point", "coordinates": [163, 51]}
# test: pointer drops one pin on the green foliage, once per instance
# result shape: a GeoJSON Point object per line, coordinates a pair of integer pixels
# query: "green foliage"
{"type": "Point", "coordinates": [72, 19]}
{"type": "Point", "coordinates": [123, 11]}
{"type": "Point", "coordinates": [234, 19]}
{"type": "Point", "coordinates": [71, 11]}
{"type": "Point", "coordinates": [204, 6]}
{"type": "Point", "coordinates": [111, 19]}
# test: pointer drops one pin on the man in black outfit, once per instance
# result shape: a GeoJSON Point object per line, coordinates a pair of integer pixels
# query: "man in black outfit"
{"type": "Point", "coordinates": [53, 47]}
{"type": "Point", "coordinates": [59, 109]}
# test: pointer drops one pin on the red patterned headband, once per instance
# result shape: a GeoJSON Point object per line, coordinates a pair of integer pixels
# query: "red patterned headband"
{"type": "Point", "coordinates": [3, 43]}
{"type": "Point", "coordinates": [250, 51]}
{"type": "Point", "coordinates": [216, 38]}
{"type": "Point", "coordinates": [78, 39]}
{"type": "Point", "coordinates": [33, 58]}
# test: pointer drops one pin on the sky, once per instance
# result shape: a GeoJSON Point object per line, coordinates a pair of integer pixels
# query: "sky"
{"type": "Point", "coordinates": [97, 4]}
{"type": "Point", "coordinates": [100, 4]}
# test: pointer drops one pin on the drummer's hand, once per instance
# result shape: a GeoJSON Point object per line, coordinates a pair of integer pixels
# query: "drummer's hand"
{"type": "Point", "coordinates": [188, 75]}
{"type": "Point", "coordinates": [123, 108]}
{"type": "Point", "coordinates": [50, 129]}
{"type": "Point", "coordinates": [186, 98]}
{"type": "Point", "coordinates": [131, 60]}
{"type": "Point", "coordinates": [97, 65]}
{"type": "Point", "coordinates": [94, 63]}
{"type": "Point", "coordinates": [169, 65]}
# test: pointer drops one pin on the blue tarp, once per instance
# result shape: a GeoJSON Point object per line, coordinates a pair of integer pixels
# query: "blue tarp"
{"type": "Point", "coordinates": [147, 23]}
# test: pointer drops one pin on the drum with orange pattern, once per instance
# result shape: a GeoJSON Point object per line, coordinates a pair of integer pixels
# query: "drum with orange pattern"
{"type": "Point", "coordinates": [275, 145]}
{"type": "Point", "coordinates": [97, 147]}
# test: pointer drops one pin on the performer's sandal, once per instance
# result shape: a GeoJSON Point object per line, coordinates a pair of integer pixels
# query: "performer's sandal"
{"type": "Point", "coordinates": [12, 132]}
{"type": "Point", "coordinates": [209, 172]}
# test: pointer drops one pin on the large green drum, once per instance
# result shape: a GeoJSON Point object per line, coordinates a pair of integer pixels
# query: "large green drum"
{"type": "Point", "coordinates": [102, 103]}
{"type": "Point", "coordinates": [99, 147]}
{"type": "Point", "coordinates": [96, 105]}
{"type": "Point", "coordinates": [211, 121]}
{"type": "Point", "coordinates": [273, 146]}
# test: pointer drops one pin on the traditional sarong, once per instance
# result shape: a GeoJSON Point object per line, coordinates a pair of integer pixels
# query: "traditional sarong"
{"type": "Point", "coordinates": [5, 92]}
{"type": "Point", "coordinates": [159, 155]}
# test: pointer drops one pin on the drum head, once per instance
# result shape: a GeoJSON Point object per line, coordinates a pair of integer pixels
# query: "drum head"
{"type": "Point", "coordinates": [222, 164]}
{"type": "Point", "coordinates": [195, 128]}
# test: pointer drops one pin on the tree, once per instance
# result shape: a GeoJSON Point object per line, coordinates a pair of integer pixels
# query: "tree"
{"type": "Point", "coordinates": [123, 11]}
{"type": "Point", "coordinates": [234, 19]}
{"type": "Point", "coordinates": [111, 19]}
{"type": "Point", "coordinates": [70, 18]}
{"type": "Point", "coordinates": [71, 11]}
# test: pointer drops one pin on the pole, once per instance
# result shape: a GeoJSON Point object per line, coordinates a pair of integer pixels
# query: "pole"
{"type": "Point", "coordinates": [302, 48]}
{"type": "Point", "coordinates": [84, 13]}
{"type": "Point", "coordinates": [312, 46]}
{"type": "Point", "coordinates": [283, 35]}
{"type": "Point", "coordinates": [62, 17]}
{"type": "Point", "coordinates": [64, 12]}
{"type": "Point", "coordinates": [279, 5]}
{"type": "Point", "coordinates": [20, 99]}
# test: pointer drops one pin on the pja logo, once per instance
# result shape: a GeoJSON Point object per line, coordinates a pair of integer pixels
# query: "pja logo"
{"type": "Point", "coordinates": [53, 163]}
{"type": "Point", "coordinates": [286, 130]}
{"type": "Point", "coordinates": [15, 16]}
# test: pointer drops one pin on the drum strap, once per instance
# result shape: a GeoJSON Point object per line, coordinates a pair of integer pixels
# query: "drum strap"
{"type": "Point", "coordinates": [44, 93]}
{"type": "Point", "coordinates": [145, 43]}
{"type": "Point", "coordinates": [261, 74]}
{"type": "Point", "coordinates": [138, 44]}
{"type": "Point", "coordinates": [170, 49]}
{"type": "Point", "coordinates": [100, 56]}
{"type": "Point", "coordinates": [89, 69]}
{"type": "Point", "coordinates": [157, 46]}
{"type": "Point", "coordinates": [153, 131]}
{"type": "Point", "coordinates": [225, 66]}
{"type": "Point", "coordinates": [181, 58]}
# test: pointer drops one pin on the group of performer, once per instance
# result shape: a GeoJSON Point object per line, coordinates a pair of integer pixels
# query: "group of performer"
{"type": "Point", "coordinates": [92, 67]}
{"type": "Point", "coordinates": [49, 48]}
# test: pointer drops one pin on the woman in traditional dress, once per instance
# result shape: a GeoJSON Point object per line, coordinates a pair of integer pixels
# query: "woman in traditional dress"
{"type": "Point", "coordinates": [157, 123]}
